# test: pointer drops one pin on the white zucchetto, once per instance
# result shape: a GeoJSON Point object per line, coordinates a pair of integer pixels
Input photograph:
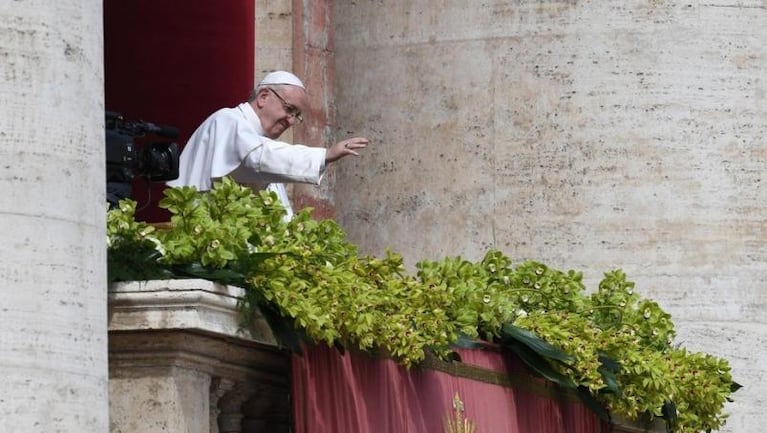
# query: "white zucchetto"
{"type": "Point", "coordinates": [282, 77]}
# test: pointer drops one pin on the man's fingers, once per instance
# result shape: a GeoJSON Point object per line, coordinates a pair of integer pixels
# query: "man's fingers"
{"type": "Point", "coordinates": [355, 143]}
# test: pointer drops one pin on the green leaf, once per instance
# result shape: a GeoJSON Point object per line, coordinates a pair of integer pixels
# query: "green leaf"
{"type": "Point", "coordinates": [611, 381]}
{"type": "Point", "coordinates": [247, 263]}
{"type": "Point", "coordinates": [590, 402]}
{"type": "Point", "coordinates": [223, 276]}
{"type": "Point", "coordinates": [135, 265]}
{"type": "Point", "coordinates": [734, 386]}
{"type": "Point", "coordinates": [465, 342]}
{"type": "Point", "coordinates": [283, 330]}
{"type": "Point", "coordinates": [339, 347]}
{"type": "Point", "coordinates": [609, 363]}
{"type": "Point", "coordinates": [536, 344]}
{"type": "Point", "coordinates": [669, 413]}
{"type": "Point", "coordinates": [453, 357]}
{"type": "Point", "coordinates": [540, 365]}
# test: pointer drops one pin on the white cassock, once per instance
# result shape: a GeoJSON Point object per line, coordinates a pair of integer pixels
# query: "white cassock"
{"type": "Point", "coordinates": [231, 142]}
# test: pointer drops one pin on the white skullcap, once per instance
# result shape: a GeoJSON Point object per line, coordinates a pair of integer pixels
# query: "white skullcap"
{"type": "Point", "coordinates": [282, 77]}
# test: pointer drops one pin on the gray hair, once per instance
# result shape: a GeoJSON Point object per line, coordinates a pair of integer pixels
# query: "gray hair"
{"type": "Point", "coordinates": [253, 93]}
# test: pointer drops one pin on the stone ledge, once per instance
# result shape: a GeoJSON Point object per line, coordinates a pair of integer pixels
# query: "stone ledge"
{"type": "Point", "coordinates": [237, 360]}
{"type": "Point", "coordinates": [182, 304]}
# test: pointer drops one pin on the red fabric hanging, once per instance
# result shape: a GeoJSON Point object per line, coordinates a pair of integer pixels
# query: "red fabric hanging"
{"type": "Point", "coordinates": [174, 62]}
{"type": "Point", "coordinates": [355, 393]}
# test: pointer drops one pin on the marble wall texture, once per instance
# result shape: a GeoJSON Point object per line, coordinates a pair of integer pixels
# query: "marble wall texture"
{"type": "Point", "coordinates": [53, 335]}
{"type": "Point", "coordinates": [590, 135]}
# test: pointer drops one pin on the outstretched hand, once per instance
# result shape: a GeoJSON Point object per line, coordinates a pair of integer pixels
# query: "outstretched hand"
{"type": "Point", "coordinates": [345, 148]}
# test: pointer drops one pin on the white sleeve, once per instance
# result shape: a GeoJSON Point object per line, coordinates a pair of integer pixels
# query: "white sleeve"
{"type": "Point", "coordinates": [276, 161]}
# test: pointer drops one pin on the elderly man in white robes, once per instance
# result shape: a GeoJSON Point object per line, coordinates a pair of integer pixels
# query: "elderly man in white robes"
{"type": "Point", "coordinates": [241, 142]}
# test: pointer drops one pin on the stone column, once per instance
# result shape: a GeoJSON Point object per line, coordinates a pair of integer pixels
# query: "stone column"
{"type": "Point", "coordinates": [53, 348]}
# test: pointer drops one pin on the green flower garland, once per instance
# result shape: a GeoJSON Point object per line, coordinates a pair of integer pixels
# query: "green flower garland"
{"type": "Point", "coordinates": [613, 347]}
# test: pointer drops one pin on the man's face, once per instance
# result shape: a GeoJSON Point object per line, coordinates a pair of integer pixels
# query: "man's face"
{"type": "Point", "coordinates": [279, 108]}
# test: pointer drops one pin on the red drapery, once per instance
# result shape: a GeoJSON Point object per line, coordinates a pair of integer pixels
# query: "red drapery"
{"type": "Point", "coordinates": [174, 62]}
{"type": "Point", "coordinates": [355, 393]}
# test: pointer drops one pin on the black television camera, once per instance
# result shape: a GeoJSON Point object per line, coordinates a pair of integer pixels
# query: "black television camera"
{"type": "Point", "coordinates": [156, 162]}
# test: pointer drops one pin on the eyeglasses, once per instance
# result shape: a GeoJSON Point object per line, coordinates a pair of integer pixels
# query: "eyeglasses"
{"type": "Point", "coordinates": [291, 109]}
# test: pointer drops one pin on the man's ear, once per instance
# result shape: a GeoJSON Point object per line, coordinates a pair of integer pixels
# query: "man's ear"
{"type": "Point", "coordinates": [261, 97]}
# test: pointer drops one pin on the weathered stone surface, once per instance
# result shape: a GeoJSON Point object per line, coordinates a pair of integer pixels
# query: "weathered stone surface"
{"type": "Point", "coordinates": [274, 37]}
{"type": "Point", "coordinates": [53, 348]}
{"type": "Point", "coordinates": [179, 362]}
{"type": "Point", "coordinates": [165, 399]}
{"type": "Point", "coordinates": [587, 135]}
{"type": "Point", "coordinates": [192, 305]}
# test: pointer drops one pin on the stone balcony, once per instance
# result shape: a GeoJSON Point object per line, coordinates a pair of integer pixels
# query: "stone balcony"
{"type": "Point", "coordinates": [179, 362]}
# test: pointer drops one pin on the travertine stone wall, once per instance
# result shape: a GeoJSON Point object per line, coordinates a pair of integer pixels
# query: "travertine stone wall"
{"type": "Point", "coordinates": [586, 134]}
{"type": "Point", "coordinates": [274, 36]}
{"type": "Point", "coordinates": [53, 336]}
